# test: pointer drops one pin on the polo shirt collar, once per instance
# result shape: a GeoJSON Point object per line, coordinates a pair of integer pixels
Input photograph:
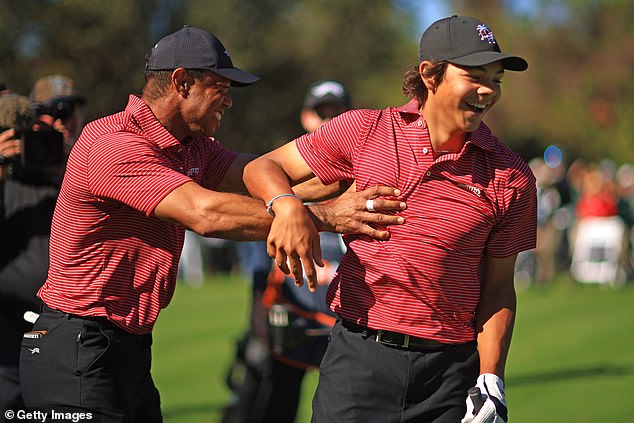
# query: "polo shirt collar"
{"type": "Point", "coordinates": [149, 124]}
{"type": "Point", "coordinates": [481, 137]}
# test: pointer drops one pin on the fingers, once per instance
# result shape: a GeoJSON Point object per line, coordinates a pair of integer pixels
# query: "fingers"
{"type": "Point", "coordinates": [9, 146]}
{"type": "Point", "coordinates": [374, 204]}
{"type": "Point", "coordinates": [316, 252]}
{"type": "Point", "coordinates": [279, 256]}
{"type": "Point", "coordinates": [7, 134]}
{"type": "Point", "coordinates": [486, 413]}
{"type": "Point", "coordinates": [380, 235]}
{"type": "Point", "coordinates": [315, 258]}
{"type": "Point", "coordinates": [382, 204]}
{"type": "Point", "coordinates": [298, 263]}
{"type": "Point", "coordinates": [381, 191]}
{"type": "Point", "coordinates": [296, 269]}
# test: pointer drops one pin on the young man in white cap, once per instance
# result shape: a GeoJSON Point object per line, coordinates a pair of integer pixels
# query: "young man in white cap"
{"type": "Point", "coordinates": [134, 181]}
{"type": "Point", "coordinates": [422, 314]}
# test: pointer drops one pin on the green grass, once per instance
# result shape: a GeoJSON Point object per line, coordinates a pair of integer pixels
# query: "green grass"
{"type": "Point", "coordinates": [572, 357]}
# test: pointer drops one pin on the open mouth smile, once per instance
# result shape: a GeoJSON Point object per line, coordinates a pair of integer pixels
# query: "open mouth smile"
{"type": "Point", "coordinates": [477, 107]}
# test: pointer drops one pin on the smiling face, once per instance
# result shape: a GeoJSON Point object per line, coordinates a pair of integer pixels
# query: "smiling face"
{"type": "Point", "coordinates": [458, 103]}
{"type": "Point", "coordinates": [207, 100]}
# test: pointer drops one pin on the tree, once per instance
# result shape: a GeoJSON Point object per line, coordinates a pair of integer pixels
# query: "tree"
{"type": "Point", "coordinates": [364, 44]}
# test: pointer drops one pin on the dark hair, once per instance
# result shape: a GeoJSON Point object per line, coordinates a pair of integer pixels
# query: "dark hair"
{"type": "Point", "coordinates": [157, 82]}
{"type": "Point", "coordinates": [413, 86]}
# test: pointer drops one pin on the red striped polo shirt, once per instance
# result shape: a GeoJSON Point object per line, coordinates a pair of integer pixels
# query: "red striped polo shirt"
{"type": "Point", "coordinates": [108, 256]}
{"type": "Point", "coordinates": [425, 280]}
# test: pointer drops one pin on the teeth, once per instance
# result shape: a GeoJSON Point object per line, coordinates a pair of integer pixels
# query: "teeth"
{"type": "Point", "coordinates": [478, 106]}
{"type": "Point", "coordinates": [218, 116]}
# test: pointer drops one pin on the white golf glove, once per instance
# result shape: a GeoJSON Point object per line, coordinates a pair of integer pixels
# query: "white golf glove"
{"type": "Point", "coordinates": [494, 409]}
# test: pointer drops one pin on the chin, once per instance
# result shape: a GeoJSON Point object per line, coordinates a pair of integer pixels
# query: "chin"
{"type": "Point", "coordinates": [470, 126]}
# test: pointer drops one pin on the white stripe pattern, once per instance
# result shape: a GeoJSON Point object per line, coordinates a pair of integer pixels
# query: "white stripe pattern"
{"type": "Point", "coordinates": [424, 281]}
{"type": "Point", "coordinates": [108, 256]}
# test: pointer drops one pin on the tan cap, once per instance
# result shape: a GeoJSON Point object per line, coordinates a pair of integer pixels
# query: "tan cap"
{"type": "Point", "coordinates": [54, 86]}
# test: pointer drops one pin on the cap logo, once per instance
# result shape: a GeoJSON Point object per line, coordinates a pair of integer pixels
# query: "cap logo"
{"type": "Point", "coordinates": [485, 34]}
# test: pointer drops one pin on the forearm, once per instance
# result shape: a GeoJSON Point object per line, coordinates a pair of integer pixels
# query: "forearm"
{"type": "Point", "coordinates": [236, 217]}
{"type": "Point", "coordinates": [215, 214]}
{"type": "Point", "coordinates": [494, 322]}
{"type": "Point", "coordinates": [313, 190]}
{"type": "Point", "coordinates": [265, 179]}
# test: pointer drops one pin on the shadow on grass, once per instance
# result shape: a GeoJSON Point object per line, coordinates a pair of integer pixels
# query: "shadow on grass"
{"type": "Point", "coordinates": [568, 374]}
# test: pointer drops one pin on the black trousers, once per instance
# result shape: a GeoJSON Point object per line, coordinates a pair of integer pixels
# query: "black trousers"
{"type": "Point", "coordinates": [362, 381]}
{"type": "Point", "coordinates": [90, 366]}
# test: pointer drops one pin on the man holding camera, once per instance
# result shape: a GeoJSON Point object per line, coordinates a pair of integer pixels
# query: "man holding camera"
{"type": "Point", "coordinates": [34, 144]}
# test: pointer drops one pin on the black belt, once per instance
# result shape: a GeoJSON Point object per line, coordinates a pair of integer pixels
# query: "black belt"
{"type": "Point", "coordinates": [99, 319]}
{"type": "Point", "coordinates": [394, 339]}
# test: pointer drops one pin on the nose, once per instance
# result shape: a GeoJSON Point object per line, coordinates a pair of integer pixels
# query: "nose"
{"type": "Point", "coordinates": [227, 101]}
{"type": "Point", "coordinates": [488, 88]}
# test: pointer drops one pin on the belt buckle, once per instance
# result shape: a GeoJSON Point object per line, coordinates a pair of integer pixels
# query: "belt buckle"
{"type": "Point", "coordinates": [379, 338]}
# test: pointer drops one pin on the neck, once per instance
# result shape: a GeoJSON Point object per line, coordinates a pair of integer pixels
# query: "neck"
{"type": "Point", "coordinates": [167, 113]}
{"type": "Point", "coordinates": [444, 139]}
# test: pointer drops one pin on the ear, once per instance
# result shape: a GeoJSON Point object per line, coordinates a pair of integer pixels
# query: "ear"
{"type": "Point", "coordinates": [182, 81]}
{"type": "Point", "coordinates": [423, 71]}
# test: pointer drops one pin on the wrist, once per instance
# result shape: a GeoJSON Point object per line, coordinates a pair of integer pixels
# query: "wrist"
{"type": "Point", "coordinates": [320, 216]}
{"type": "Point", "coordinates": [278, 198]}
{"type": "Point", "coordinates": [491, 378]}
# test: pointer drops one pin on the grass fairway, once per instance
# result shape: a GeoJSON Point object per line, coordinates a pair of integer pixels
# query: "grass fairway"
{"type": "Point", "coordinates": [572, 357]}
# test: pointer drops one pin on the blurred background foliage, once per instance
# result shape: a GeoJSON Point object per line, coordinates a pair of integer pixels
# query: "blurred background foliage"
{"type": "Point", "coordinates": [578, 91]}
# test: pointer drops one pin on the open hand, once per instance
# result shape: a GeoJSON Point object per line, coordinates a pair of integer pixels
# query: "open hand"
{"type": "Point", "coordinates": [349, 213]}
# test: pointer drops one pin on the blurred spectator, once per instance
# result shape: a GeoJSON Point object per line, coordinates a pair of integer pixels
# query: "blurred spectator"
{"type": "Point", "coordinates": [56, 99]}
{"type": "Point", "coordinates": [598, 195]}
{"type": "Point", "coordinates": [566, 196]}
{"type": "Point", "coordinates": [289, 325]}
{"type": "Point", "coordinates": [27, 201]}
{"type": "Point", "coordinates": [599, 235]}
{"type": "Point", "coordinates": [3, 89]}
{"type": "Point", "coordinates": [625, 187]}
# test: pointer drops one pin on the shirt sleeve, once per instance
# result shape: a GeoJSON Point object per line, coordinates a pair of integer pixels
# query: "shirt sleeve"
{"type": "Point", "coordinates": [218, 161]}
{"type": "Point", "coordinates": [517, 228]}
{"type": "Point", "coordinates": [125, 168]}
{"type": "Point", "coordinates": [330, 150]}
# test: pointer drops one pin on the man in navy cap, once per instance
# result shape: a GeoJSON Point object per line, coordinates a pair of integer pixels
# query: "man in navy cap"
{"type": "Point", "coordinates": [134, 181]}
{"type": "Point", "coordinates": [428, 313]}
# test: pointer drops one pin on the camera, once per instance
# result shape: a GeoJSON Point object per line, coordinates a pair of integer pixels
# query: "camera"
{"type": "Point", "coordinates": [58, 107]}
{"type": "Point", "coordinates": [39, 149]}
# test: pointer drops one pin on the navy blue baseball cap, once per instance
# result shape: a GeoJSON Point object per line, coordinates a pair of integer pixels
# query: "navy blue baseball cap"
{"type": "Point", "coordinates": [194, 48]}
{"type": "Point", "coordinates": [464, 41]}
